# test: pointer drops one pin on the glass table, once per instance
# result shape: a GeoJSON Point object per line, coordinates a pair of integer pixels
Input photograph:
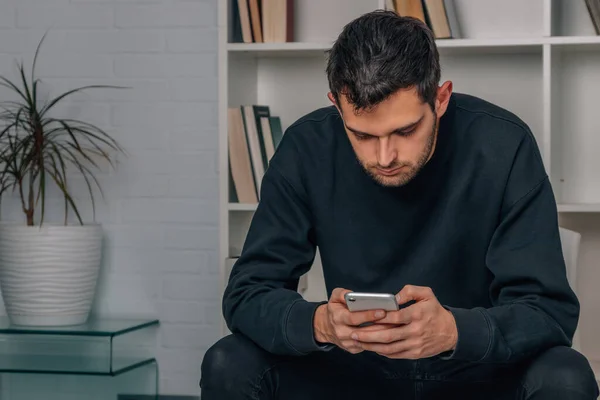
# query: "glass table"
{"type": "Point", "coordinates": [100, 347]}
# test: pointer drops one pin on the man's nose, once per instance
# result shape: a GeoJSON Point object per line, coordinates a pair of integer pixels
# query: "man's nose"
{"type": "Point", "coordinates": [386, 152]}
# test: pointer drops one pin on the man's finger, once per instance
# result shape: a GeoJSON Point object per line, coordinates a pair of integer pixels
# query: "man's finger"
{"type": "Point", "coordinates": [355, 318]}
{"type": "Point", "coordinates": [400, 317]}
{"type": "Point", "coordinates": [399, 346]}
{"type": "Point", "coordinates": [374, 327]}
{"type": "Point", "coordinates": [351, 346]}
{"type": "Point", "coordinates": [390, 335]}
{"type": "Point", "coordinates": [337, 295]}
{"type": "Point", "coordinates": [416, 293]}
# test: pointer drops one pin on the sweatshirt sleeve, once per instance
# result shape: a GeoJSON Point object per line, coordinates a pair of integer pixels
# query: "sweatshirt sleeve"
{"type": "Point", "coordinates": [261, 299]}
{"type": "Point", "coordinates": [534, 307]}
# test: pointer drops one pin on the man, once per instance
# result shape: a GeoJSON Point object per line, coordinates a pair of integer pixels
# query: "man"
{"type": "Point", "coordinates": [406, 188]}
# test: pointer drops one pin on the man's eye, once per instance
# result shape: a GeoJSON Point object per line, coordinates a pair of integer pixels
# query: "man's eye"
{"type": "Point", "coordinates": [361, 136]}
{"type": "Point", "coordinates": [407, 133]}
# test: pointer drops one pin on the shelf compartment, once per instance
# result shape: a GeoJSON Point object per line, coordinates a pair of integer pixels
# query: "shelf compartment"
{"type": "Point", "coordinates": [480, 19]}
{"type": "Point", "coordinates": [488, 75]}
{"type": "Point", "coordinates": [574, 125]}
{"type": "Point", "coordinates": [318, 20]}
{"type": "Point", "coordinates": [317, 24]}
{"type": "Point", "coordinates": [570, 18]}
{"type": "Point", "coordinates": [99, 347]}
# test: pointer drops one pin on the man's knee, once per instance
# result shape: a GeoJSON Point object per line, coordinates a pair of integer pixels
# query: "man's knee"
{"type": "Point", "coordinates": [217, 361]}
{"type": "Point", "coordinates": [229, 365]}
{"type": "Point", "coordinates": [558, 371]}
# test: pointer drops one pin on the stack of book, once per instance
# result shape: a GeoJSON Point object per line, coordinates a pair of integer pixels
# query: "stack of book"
{"type": "Point", "coordinates": [262, 21]}
{"type": "Point", "coordinates": [439, 15]}
{"type": "Point", "coordinates": [253, 136]}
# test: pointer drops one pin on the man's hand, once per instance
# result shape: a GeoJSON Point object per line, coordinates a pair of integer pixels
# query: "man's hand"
{"type": "Point", "coordinates": [423, 329]}
{"type": "Point", "coordinates": [334, 323]}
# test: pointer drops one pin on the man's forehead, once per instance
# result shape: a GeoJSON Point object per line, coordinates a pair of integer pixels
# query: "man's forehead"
{"type": "Point", "coordinates": [384, 118]}
{"type": "Point", "coordinates": [404, 101]}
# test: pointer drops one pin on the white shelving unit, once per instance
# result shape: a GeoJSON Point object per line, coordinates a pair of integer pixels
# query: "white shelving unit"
{"type": "Point", "coordinates": [537, 58]}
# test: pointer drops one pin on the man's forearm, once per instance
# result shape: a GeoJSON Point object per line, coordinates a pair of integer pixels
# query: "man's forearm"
{"type": "Point", "coordinates": [278, 320]}
{"type": "Point", "coordinates": [508, 333]}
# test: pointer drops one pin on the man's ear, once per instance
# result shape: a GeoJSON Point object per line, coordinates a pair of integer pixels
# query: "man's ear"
{"type": "Point", "coordinates": [443, 97]}
{"type": "Point", "coordinates": [331, 98]}
{"type": "Point", "coordinates": [335, 103]}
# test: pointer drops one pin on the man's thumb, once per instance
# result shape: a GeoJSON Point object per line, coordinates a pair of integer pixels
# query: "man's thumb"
{"type": "Point", "coordinates": [414, 293]}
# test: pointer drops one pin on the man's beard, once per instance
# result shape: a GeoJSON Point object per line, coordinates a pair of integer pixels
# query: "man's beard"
{"type": "Point", "coordinates": [403, 177]}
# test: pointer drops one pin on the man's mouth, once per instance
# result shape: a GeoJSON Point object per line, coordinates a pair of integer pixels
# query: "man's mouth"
{"type": "Point", "coordinates": [389, 172]}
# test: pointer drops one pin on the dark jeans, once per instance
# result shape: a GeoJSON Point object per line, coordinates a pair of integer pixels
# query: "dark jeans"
{"type": "Point", "coordinates": [235, 368]}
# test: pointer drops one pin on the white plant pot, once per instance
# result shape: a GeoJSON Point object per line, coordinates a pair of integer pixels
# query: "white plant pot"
{"type": "Point", "coordinates": [48, 274]}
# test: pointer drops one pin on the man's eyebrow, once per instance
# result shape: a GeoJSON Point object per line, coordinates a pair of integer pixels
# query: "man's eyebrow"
{"type": "Point", "coordinates": [397, 130]}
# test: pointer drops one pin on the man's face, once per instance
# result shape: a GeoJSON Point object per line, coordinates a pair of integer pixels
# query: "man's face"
{"type": "Point", "coordinates": [394, 140]}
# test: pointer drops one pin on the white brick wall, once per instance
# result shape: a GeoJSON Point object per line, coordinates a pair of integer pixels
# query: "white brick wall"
{"type": "Point", "coordinates": [160, 213]}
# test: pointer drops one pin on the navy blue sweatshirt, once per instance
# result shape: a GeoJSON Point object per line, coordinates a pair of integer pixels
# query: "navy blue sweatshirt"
{"type": "Point", "coordinates": [478, 225]}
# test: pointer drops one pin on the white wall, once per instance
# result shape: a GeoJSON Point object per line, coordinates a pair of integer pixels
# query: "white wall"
{"type": "Point", "coordinates": [161, 206]}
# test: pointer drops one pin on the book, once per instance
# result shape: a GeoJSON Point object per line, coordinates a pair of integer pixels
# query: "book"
{"type": "Point", "coordinates": [253, 137]}
{"type": "Point", "coordinates": [235, 34]}
{"type": "Point", "coordinates": [244, 16]}
{"type": "Point", "coordinates": [261, 111]}
{"type": "Point", "coordinates": [276, 130]}
{"type": "Point", "coordinates": [240, 165]}
{"type": "Point", "coordinates": [260, 21]}
{"type": "Point", "coordinates": [278, 21]}
{"type": "Point", "coordinates": [593, 7]}
{"type": "Point", "coordinates": [410, 8]}
{"type": "Point", "coordinates": [441, 18]}
{"type": "Point", "coordinates": [256, 158]}
{"type": "Point", "coordinates": [267, 137]}
{"type": "Point", "coordinates": [254, 6]}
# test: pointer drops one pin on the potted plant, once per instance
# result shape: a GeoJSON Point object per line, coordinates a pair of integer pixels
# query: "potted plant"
{"type": "Point", "coordinates": [48, 271]}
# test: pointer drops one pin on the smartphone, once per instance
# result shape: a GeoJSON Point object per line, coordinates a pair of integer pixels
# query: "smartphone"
{"type": "Point", "coordinates": [357, 301]}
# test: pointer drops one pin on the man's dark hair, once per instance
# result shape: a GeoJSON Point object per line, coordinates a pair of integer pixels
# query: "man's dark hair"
{"type": "Point", "coordinates": [378, 54]}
